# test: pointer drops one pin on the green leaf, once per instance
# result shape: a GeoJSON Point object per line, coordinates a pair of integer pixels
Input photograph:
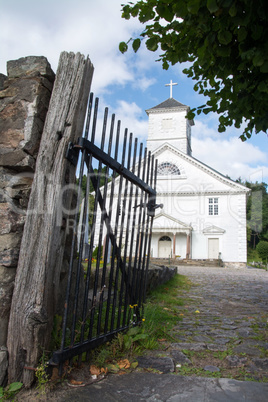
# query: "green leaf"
{"type": "Point", "coordinates": [258, 59]}
{"type": "Point", "coordinates": [113, 368]}
{"type": "Point", "coordinates": [225, 37]}
{"type": "Point", "coordinates": [152, 44]}
{"type": "Point", "coordinates": [123, 47]}
{"type": "Point", "coordinates": [233, 10]}
{"type": "Point", "coordinates": [140, 336]}
{"type": "Point", "coordinates": [165, 12]}
{"type": "Point", "coordinates": [190, 115]}
{"type": "Point", "coordinates": [135, 11]}
{"type": "Point", "coordinates": [180, 9]}
{"type": "Point", "coordinates": [165, 65]}
{"type": "Point", "coordinates": [223, 51]}
{"type": "Point", "coordinates": [221, 129]}
{"type": "Point", "coordinates": [193, 6]}
{"type": "Point", "coordinates": [212, 6]}
{"type": "Point", "coordinates": [242, 34]}
{"type": "Point", "coordinates": [263, 87]}
{"type": "Point", "coordinates": [126, 12]}
{"type": "Point", "coordinates": [14, 386]}
{"type": "Point", "coordinates": [256, 31]}
{"type": "Point", "coordinates": [136, 44]}
{"type": "Point", "coordinates": [264, 67]}
{"type": "Point", "coordinates": [146, 14]}
{"type": "Point", "coordinates": [133, 331]}
{"type": "Point", "coordinates": [134, 365]}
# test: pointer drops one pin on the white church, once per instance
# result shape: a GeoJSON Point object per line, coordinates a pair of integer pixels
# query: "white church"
{"type": "Point", "coordinates": [204, 212]}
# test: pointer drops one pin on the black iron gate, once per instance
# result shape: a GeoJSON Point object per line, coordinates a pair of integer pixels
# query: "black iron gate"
{"type": "Point", "coordinates": [111, 237]}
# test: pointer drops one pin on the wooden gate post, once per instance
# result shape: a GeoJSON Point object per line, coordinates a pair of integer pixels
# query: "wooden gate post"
{"type": "Point", "coordinates": [42, 247]}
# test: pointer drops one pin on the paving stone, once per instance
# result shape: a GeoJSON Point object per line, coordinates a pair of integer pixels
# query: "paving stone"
{"type": "Point", "coordinates": [212, 369]}
{"type": "Point", "coordinates": [236, 361]}
{"type": "Point", "coordinates": [201, 338]}
{"type": "Point", "coordinates": [163, 364]}
{"type": "Point", "coordinates": [261, 363]}
{"type": "Point", "coordinates": [216, 348]}
{"type": "Point", "coordinates": [227, 321]}
{"type": "Point", "coordinates": [225, 333]}
{"type": "Point", "coordinates": [251, 351]}
{"type": "Point", "coordinates": [204, 328]}
{"type": "Point", "coordinates": [245, 332]}
{"type": "Point", "coordinates": [189, 346]}
{"type": "Point", "coordinates": [180, 358]}
{"type": "Point", "coordinates": [221, 340]}
{"type": "Point", "coordinates": [227, 326]}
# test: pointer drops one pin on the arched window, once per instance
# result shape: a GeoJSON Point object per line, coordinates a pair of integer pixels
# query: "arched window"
{"type": "Point", "coordinates": [166, 168]}
{"type": "Point", "coordinates": [165, 238]}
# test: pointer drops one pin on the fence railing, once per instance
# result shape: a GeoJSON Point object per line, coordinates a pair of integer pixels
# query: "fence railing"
{"type": "Point", "coordinates": [111, 237]}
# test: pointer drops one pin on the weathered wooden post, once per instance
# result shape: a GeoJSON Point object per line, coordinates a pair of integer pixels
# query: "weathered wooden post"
{"type": "Point", "coordinates": [42, 247]}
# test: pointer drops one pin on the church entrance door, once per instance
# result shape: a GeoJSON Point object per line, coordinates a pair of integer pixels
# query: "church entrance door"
{"type": "Point", "coordinates": [164, 247]}
{"type": "Point", "coordinates": [213, 248]}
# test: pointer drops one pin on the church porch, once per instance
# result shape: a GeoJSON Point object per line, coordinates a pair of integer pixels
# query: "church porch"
{"type": "Point", "coordinates": [171, 245]}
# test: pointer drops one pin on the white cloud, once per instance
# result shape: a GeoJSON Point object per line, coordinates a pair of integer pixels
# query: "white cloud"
{"type": "Point", "coordinates": [93, 28]}
{"type": "Point", "coordinates": [144, 83]}
{"type": "Point", "coordinates": [131, 116]}
{"type": "Point", "coordinates": [229, 155]}
{"type": "Point", "coordinates": [130, 81]}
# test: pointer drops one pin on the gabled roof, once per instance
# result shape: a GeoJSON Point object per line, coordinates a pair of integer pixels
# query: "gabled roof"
{"type": "Point", "coordinates": [163, 221]}
{"type": "Point", "coordinates": [201, 166]}
{"type": "Point", "coordinates": [213, 230]}
{"type": "Point", "coordinates": [167, 104]}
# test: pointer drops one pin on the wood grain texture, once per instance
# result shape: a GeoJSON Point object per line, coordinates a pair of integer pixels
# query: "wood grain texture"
{"type": "Point", "coordinates": [38, 273]}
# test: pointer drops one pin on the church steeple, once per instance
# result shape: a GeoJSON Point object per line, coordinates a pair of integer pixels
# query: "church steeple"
{"type": "Point", "coordinates": [167, 124]}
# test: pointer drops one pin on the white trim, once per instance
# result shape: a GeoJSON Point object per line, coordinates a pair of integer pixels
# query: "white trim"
{"type": "Point", "coordinates": [202, 166]}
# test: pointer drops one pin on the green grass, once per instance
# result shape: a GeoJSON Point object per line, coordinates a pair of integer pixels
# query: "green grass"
{"type": "Point", "coordinates": [160, 316]}
{"type": "Point", "coordinates": [161, 313]}
{"type": "Point", "coordinates": [253, 255]}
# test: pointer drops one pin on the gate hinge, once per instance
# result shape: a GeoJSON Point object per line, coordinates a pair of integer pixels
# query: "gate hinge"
{"type": "Point", "coordinates": [72, 153]}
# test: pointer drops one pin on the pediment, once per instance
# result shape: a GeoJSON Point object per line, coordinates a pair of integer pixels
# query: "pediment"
{"type": "Point", "coordinates": [165, 222]}
{"type": "Point", "coordinates": [192, 167]}
{"type": "Point", "coordinates": [213, 230]}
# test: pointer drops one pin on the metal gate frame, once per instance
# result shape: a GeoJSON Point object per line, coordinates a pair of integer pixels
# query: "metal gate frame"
{"type": "Point", "coordinates": [117, 287]}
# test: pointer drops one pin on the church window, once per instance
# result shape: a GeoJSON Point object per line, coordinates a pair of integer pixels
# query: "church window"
{"type": "Point", "coordinates": [165, 238]}
{"type": "Point", "coordinates": [213, 206]}
{"type": "Point", "coordinates": [166, 168]}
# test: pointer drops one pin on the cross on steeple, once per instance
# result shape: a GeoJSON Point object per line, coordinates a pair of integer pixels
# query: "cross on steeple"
{"type": "Point", "coordinates": [171, 85]}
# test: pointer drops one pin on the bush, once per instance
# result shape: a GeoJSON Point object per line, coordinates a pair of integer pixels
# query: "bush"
{"type": "Point", "coordinates": [95, 252]}
{"type": "Point", "coordinates": [262, 248]}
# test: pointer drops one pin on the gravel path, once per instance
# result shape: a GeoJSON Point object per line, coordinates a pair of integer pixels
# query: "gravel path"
{"type": "Point", "coordinates": [225, 323]}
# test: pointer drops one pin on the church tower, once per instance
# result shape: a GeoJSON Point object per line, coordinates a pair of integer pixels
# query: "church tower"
{"type": "Point", "coordinates": [168, 124]}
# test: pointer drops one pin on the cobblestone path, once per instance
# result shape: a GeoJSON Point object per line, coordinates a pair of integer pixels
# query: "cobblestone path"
{"type": "Point", "coordinates": [224, 330]}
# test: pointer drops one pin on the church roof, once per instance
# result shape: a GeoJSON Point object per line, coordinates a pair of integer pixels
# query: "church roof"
{"type": "Point", "coordinates": [170, 103]}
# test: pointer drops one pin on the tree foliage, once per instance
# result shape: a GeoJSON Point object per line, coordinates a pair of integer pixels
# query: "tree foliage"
{"type": "Point", "coordinates": [226, 42]}
{"type": "Point", "coordinates": [257, 213]}
{"type": "Point", "coordinates": [262, 249]}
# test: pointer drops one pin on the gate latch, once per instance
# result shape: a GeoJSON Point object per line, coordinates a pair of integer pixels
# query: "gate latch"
{"type": "Point", "coordinates": [151, 206]}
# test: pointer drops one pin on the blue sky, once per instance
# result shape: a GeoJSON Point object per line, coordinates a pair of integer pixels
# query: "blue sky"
{"type": "Point", "coordinates": [128, 84]}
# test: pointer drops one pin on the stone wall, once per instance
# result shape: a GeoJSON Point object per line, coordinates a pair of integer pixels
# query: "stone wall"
{"type": "Point", "coordinates": [159, 274]}
{"type": "Point", "coordinates": [24, 98]}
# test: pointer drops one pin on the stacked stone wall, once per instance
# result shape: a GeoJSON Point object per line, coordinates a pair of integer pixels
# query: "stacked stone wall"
{"type": "Point", "coordinates": [24, 99]}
